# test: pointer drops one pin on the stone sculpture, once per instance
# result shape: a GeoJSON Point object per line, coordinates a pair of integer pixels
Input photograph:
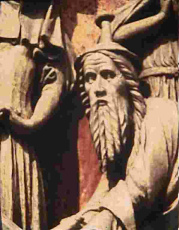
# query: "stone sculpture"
{"type": "Point", "coordinates": [135, 138]}
{"type": "Point", "coordinates": [34, 73]}
{"type": "Point", "coordinates": [147, 24]}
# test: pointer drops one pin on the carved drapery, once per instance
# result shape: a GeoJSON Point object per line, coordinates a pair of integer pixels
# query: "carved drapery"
{"type": "Point", "coordinates": [147, 25]}
{"type": "Point", "coordinates": [150, 179]}
{"type": "Point", "coordinates": [35, 68]}
{"type": "Point", "coordinates": [165, 86]}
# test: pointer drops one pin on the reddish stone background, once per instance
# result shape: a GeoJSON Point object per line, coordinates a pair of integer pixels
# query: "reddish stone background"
{"type": "Point", "coordinates": [78, 18]}
{"type": "Point", "coordinates": [89, 174]}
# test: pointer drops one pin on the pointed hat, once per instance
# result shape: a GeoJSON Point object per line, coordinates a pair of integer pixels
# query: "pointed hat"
{"type": "Point", "coordinates": [106, 43]}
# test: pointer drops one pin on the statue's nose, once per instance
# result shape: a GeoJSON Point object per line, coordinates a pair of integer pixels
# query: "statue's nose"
{"type": "Point", "coordinates": [100, 93]}
{"type": "Point", "coordinates": [100, 89]}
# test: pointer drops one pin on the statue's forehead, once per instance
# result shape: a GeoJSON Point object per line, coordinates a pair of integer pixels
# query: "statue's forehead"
{"type": "Point", "coordinates": [96, 57]}
{"type": "Point", "coordinates": [97, 60]}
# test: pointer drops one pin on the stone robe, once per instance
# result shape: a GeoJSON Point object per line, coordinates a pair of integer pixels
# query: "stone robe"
{"type": "Point", "coordinates": [28, 33]}
{"type": "Point", "coordinates": [22, 192]}
{"type": "Point", "coordinates": [148, 197]}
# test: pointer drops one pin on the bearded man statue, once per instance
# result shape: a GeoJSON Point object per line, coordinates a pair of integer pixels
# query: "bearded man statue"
{"type": "Point", "coordinates": [136, 140]}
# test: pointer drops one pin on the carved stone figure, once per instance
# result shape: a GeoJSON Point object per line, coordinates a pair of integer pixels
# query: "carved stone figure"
{"type": "Point", "coordinates": [147, 24]}
{"type": "Point", "coordinates": [136, 140]}
{"type": "Point", "coordinates": [33, 74]}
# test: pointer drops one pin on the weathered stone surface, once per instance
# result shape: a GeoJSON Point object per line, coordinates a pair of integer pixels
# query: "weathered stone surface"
{"type": "Point", "coordinates": [147, 135]}
{"type": "Point", "coordinates": [8, 225]}
{"type": "Point", "coordinates": [88, 164]}
{"type": "Point", "coordinates": [74, 170]}
{"type": "Point", "coordinates": [79, 20]}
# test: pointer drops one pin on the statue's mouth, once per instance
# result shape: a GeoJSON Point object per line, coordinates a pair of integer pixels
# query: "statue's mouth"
{"type": "Point", "coordinates": [101, 102]}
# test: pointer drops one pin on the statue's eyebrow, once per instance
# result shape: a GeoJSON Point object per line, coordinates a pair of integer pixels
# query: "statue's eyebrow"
{"type": "Point", "coordinates": [89, 70]}
{"type": "Point", "coordinates": [89, 67]}
{"type": "Point", "coordinates": [107, 70]}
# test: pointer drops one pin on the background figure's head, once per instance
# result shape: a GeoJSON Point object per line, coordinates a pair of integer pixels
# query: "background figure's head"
{"type": "Point", "coordinates": [109, 87]}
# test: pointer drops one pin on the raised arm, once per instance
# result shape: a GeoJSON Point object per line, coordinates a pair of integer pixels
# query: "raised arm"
{"type": "Point", "coordinates": [141, 26]}
{"type": "Point", "coordinates": [47, 104]}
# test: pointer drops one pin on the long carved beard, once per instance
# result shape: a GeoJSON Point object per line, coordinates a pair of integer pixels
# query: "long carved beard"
{"type": "Point", "coordinates": [108, 124]}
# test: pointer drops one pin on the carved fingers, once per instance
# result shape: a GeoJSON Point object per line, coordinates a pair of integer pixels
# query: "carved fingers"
{"type": "Point", "coordinates": [76, 222]}
{"type": "Point", "coordinates": [88, 216]}
{"type": "Point", "coordinates": [102, 221]}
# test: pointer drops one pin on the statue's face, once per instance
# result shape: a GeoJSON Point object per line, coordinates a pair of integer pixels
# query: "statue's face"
{"type": "Point", "coordinates": [111, 87]}
{"type": "Point", "coordinates": [106, 90]}
{"type": "Point", "coordinates": [102, 79]}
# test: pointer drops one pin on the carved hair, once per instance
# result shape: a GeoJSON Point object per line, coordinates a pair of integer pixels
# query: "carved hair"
{"type": "Point", "coordinates": [137, 103]}
{"type": "Point", "coordinates": [107, 128]}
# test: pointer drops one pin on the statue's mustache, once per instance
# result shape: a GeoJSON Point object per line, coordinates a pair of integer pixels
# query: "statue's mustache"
{"type": "Point", "coordinates": [100, 102]}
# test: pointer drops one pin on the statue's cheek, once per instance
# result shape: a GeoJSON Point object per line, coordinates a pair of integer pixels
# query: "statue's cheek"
{"type": "Point", "coordinates": [88, 88]}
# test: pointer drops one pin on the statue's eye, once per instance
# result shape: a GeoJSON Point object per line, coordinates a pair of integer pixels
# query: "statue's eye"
{"type": "Point", "coordinates": [90, 77]}
{"type": "Point", "coordinates": [108, 74]}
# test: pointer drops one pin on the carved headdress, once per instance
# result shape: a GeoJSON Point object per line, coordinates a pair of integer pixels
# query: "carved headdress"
{"type": "Point", "coordinates": [106, 43]}
{"type": "Point", "coordinates": [115, 51]}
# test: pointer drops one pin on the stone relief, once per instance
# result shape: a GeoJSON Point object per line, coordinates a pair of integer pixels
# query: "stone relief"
{"type": "Point", "coordinates": [33, 78]}
{"type": "Point", "coordinates": [155, 43]}
{"type": "Point", "coordinates": [128, 83]}
{"type": "Point", "coordinates": [132, 132]}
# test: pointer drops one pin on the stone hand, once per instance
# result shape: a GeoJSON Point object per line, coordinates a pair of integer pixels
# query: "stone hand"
{"type": "Point", "coordinates": [105, 220]}
{"type": "Point", "coordinates": [70, 223]}
{"type": "Point", "coordinates": [88, 216]}
{"type": "Point", "coordinates": [77, 221]}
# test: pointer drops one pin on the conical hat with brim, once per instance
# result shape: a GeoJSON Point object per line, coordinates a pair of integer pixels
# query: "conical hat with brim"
{"type": "Point", "coordinates": [112, 47]}
{"type": "Point", "coordinates": [106, 43]}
